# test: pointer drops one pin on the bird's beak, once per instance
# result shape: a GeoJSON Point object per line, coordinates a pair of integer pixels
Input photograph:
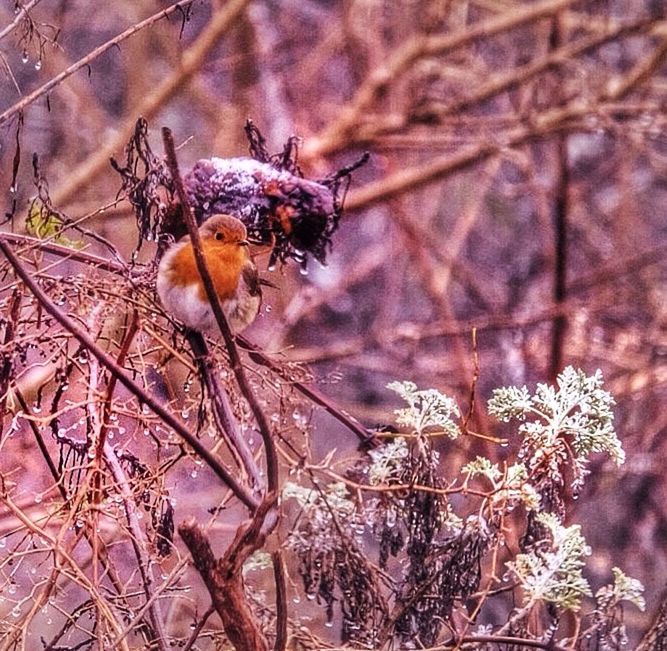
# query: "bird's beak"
{"type": "Point", "coordinates": [243, 243]}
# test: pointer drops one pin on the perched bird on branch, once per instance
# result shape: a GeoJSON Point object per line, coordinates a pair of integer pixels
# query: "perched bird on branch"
{"type": "Point", "coordinates": [234, 276]}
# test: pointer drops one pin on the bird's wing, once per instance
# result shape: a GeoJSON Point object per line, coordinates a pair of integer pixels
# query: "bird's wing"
{"type": "Point", "coordinates": [250, 277]}
{"type": "Point", "coordinates": [267, 283]}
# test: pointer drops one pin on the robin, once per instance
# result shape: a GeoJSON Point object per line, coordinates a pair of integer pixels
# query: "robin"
{"type": "Point", "coordinates": [234, 276]}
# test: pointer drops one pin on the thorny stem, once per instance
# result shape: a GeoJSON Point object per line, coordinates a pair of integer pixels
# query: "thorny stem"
{"type": "Point", "coordinates": [167, 417]}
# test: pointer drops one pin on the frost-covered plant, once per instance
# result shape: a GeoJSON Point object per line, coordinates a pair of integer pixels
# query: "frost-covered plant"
{"type": "Point", "coordinates": [554, 575]}
{"type": "Point", "coordinates": [570, 421]}
{"type": "Point", "coordinates": [387, 462]}
{"type": "Point", "coordinates": [439, 541]}
{"type": "Point", "coordinates": [509, 488]}
{"type": "Point", "coordinates": [608, 627]}
{"type": "Point", "coordinates": [322, 510]}
{"type": "Point", "coordinates": [624, 588]}
{"type": "Point", "coordinates": [332, 564]}
{"type": "Point", "coordinates": [426, 409]}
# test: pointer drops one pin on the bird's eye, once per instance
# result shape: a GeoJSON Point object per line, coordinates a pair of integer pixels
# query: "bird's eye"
{"type": "Point", "coordinates": [218, 236]}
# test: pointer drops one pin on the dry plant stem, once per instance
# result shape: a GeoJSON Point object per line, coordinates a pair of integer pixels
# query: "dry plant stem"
{"type": "Point", "coordinates": [171, 580]}
{"type": "Point", "coordinates": [519, 642]}
{"type": "Point", "coordinates": [94, 468]}
{"type": "Point", "coordinates": [65, 252]}
{"type": "Point", "coordinates": [194, 636]}
{"type": "Point", "coordinates": [41, 444]}
{"type": "Point", "coordinates": [21, 14]}
{"type": "Point", "coordinates": [140, 545]}
{"type": "Point", "coordinates": [473, 382]}
{"type": "Point", "coordinates": [341, 416]}
{"type": "Point", "coordinates": [222, 410]}
{"type": "Point", "coordinates": [339, 134]}
{"type": "Point", "coordinates": [105, 451]}
{"type": "Point", "coordinates": [107, 409]}
{"type": "Point", "coordinates": [281, 600]}
{"type": "Point", "coordinates": [7, 363]}
{"type": "Point", "coordinates": [83, 62]}
{"type": "Point", "coordinates": [62, 554]}
{"type": "Point", "coordinates": [560, 257]}
{"type": "Point", "coordinates": [110, 364]}
{"type": "Point", "coordinates": [234, 357]}
{"type": "Point", "coordinates": [224, 577]}
{"type": "Point", "coordinates": [190, 63]}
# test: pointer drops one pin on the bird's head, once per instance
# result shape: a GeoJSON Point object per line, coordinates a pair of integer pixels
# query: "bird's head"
{"type": "Point", "coordinates": [224, 229]}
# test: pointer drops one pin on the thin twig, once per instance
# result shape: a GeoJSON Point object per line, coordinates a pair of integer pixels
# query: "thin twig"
{"type": "Point", "coordinates": [222, 409]}
{"type": "Point", "coordinates": [272, 470]}
{"type": "Point", "coordinates": [20, 15]}
{"type": "Point", "coordinates": [259, 356]}
{"type": "Point", "coordinates": [194, 636]}
{"type": "Point", "coordinates": [86, 60]}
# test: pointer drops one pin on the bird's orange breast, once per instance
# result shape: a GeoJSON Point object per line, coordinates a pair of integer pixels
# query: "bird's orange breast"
{"type": "Point", "coordinates": [224, 262]}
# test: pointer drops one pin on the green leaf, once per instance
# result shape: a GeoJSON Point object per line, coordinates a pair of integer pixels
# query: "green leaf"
{"type": "Point", "coordinates": [43, 224]}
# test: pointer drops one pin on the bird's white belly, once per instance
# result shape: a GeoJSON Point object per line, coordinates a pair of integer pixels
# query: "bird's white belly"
{"type": "Point", "coordinates": [185, 304]}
